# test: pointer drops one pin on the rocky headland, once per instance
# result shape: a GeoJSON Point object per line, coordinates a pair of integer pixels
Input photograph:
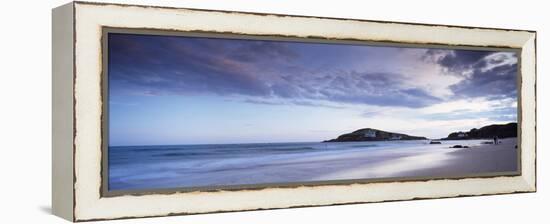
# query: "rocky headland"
{"type": "Point", "coordinates": [369, 134]}
{"type": "Point", "coordinates": [509, 130]}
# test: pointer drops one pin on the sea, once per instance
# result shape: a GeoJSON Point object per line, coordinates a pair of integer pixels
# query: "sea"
{"type": "Point", "coordinates": [212, 165]}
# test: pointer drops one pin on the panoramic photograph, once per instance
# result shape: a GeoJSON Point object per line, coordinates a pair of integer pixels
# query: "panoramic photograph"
{"type": "Point", "coordinates": [205, 112]}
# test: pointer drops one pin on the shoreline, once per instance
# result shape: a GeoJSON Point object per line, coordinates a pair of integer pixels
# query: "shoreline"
{"type": "Point", "coordinates": [358, 161]}
{"type": "Point", "coordinates": [487, 158]}
{"type": "Point", "coordinates": [477, 159]}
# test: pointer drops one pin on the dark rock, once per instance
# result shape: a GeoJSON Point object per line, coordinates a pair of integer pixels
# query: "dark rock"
{"type": "Point", "coordinates": [435, 142]}
{"type": "Point", "coordinates": [459, 146]}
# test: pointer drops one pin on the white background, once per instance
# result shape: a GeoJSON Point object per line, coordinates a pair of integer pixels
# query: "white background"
{"type": "Point", "coordinates": [25, 109]}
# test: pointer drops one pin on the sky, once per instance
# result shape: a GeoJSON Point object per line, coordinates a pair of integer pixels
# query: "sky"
{"type": "Point", "coordinates": [166, 90]}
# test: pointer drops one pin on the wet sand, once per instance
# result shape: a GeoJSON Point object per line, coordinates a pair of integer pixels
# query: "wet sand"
{"type": "Point", "coordinates": [478, 160]}
{"type": "Point", "coordinates": [483, 159]}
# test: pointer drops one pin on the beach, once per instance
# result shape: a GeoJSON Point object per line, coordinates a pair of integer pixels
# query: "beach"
{"type": "Point", "coordinates": [157, 167]}
{"type": "Point", "coordinates": [477, 159]}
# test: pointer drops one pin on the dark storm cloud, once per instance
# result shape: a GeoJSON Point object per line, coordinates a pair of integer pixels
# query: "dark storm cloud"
{"type": "Point", "coordinates": [463, 59]}
{"type": "Point", "coordinates": [163, 65]}
{"type": "Point", "coordinates": [483, 73]}
{"type": "Point", "coordinates": [499, 82]}
{"type": "Point", "coordinates": [169, 65]}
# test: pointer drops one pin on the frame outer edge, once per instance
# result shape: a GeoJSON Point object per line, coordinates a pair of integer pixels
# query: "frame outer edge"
{"type": "Point", "coordinates": [529, 111]}
{"type": "Point", "coordinates": [535, 177]}
{"type": "Point", "coordinates": [62, 111]}
{"type": "Point", "coordinates": [86, 205]}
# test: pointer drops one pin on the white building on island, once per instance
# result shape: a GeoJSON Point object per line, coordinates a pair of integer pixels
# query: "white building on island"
{"type": "Point", "coordinates": [370, 133]}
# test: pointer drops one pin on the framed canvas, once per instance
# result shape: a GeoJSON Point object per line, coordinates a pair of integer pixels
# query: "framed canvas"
{"type": "Point", "coordinates": [167, 111]}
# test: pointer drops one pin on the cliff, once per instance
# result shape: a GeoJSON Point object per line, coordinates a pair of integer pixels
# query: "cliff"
{"type": "Point", "coordinates": [501, 130]}
{"type": "Point", "coordinates": [369, 134]}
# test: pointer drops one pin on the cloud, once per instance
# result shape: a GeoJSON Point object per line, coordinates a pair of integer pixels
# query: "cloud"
{"type": "Point", "coordinates": [168, 65]}
{"type": "Point", "coordinates": [252, 51]}
{"type": "Point", "coordinates": [263, 102]}
{"type": "Point", "coordinates": [352, 87]}
{"type": "Point", "coordinates": [278, 102]}
{"type": "Point", "coordinates": [302, 73]}
{"type": "Point", "coordinates": [463, 59]}
{"type": "Point", "coordinates": [313, 104]}
{"type": "Point", "coordinates": [497, 114]}
{"type": "Point", "coordinates": [485, 73]}
{"type": "Point", "coordinates": [498, 82]}
{"type": "Point", "coordinates": [452, 110]}
{"type": "Point", "coordinates": [440, 119]}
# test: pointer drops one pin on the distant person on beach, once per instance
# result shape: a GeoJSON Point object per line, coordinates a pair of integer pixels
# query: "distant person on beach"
{"type": "Point", "coordinates": [495, 140]}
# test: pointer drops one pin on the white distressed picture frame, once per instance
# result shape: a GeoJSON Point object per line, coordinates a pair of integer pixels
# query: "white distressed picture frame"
{"type": "Point", "coordinates": [77, 111]}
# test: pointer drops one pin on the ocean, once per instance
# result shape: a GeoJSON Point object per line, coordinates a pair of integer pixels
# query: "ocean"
{"type": "Point", "coordinates": [180, 166]}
